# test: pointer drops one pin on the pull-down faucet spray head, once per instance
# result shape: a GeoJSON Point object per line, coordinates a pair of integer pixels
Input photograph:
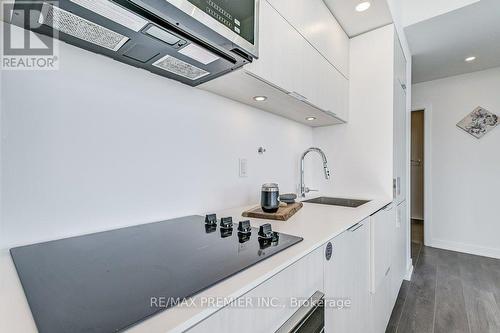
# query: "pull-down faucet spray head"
{"type": "Point", "coordinates": [327, 171]}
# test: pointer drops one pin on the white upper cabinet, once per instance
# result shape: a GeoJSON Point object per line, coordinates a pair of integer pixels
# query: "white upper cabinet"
{"type": "Point", "coordinates": [314, 21]}
{"type": "Point", "coordinates": [282, 51]}
{"type": "Point", "coordinates": [299, 80]}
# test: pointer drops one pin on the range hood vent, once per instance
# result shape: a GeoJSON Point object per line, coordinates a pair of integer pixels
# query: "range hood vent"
{"type": "Point", "coordinates": [179, 67]}
{"type": "Point", "coordinates": [81, 28]}
{"type": "Point", "coordinates": [184, 40]}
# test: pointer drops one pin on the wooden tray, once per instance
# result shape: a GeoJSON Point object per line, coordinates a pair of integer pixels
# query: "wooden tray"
{"type": "Point", "coordinates": [283, 213]}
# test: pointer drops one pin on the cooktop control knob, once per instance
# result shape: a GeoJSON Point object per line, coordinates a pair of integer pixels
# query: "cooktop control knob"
{"type": "Point", "coordinates": [226, 232]}
{"type": "Point", "coordinates": [226, 223]}
{"type": "Point", "coordinates": [242, 238]}
{"type": "Point", "coordinates": [244, 227]}
{"type": "Point", "coordinates": [211, 219]}
{"type": "Point", "coordinates": [265, 231]}
{"type": "Point", "coordinates": [210, 228]}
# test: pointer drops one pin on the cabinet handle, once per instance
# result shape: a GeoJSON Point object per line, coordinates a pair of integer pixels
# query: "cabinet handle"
{"type": "Point", "coordinates": [355, 227]}
{"type": "Point", "coordinates": [303, 314]}
{"type": "Point", "coordinates": [388, 207]}
{"type": "Point", "coordinates": [328, 251]}
{"type": "Point", "coordinates": [328, 112]}
{"type": "Point", "coordinates": [297, 96]}
{"type": "Point", "coordinates": [399, 185]}
{"type": "Point", "coordinates": [402, 84]}
{"type": "Point", "coordinates": [266, 82]}
{"type": "Point", "coordinates": [387, 271]}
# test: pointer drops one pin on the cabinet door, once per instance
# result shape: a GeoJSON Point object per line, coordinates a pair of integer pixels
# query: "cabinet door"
{"type": "Point", "coordinates": [289, 62]}
{"type": "Point", "coordinates": [347, 279]}
{"type": "Point", "coordinates": [360, 248]}
{"type": "Point", "coordinates": [280, 51]}
{"type": "Point", "coordinates": [382, 227]}
{"type": "Point", "coordinates": [325, 87]}
{"type": "Point", "coordinates": [269, 305]}
{"type": "Point", "coordinates": [336, 93]}
{"type": "Point", "coordinates": [400, 112]}
{"type": "Point", "coordinates": [399, 141]}
{"type": "Point", "coordinates": [315, 22]}
{"type": "Point", "coordinates": [400, 248]}
{"type": "Point", "coordinates": [382, 240]}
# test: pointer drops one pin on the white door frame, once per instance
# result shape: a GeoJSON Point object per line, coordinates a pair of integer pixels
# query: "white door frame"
{"type": "Point", "coordinates": [427, 109]}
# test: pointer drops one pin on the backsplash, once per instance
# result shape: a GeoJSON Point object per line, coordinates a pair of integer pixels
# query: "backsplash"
{"type": "Point", "coordinates": [91, 152]}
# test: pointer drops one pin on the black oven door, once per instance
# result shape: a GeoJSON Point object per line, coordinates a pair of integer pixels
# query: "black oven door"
{"type": "Point", "coordinates": [309, 318]}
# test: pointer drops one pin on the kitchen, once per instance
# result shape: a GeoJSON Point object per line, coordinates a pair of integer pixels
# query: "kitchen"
{"type": "Point", "coordinates": [156, 111]}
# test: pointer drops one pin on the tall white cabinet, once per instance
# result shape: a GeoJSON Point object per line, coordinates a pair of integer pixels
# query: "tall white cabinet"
{"type": "Point", "coordinates": [389, 227]}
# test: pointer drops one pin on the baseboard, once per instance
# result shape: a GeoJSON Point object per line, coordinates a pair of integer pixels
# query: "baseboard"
{"type": "Point", "coordinates": [409, 273]}
{"type": "Point", "coordinates": [465, 248]}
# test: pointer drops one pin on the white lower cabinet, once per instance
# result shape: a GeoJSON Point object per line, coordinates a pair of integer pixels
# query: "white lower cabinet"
{"type": "Point", "coordinates": [347, 280]}
{"type": "Point", "coordinates": [388, 262]}
{"type": "Point", "coordinates": [360, 279]}
{"type": "Point", "coordinates": [400, 252]}
{"type": "Point", "coordinates": [263, 311]}
{"type": "Point", "coordinates": [382, 238]}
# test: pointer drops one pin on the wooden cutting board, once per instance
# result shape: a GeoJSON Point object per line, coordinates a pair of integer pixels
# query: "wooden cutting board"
{"type": "Point", "coordinates": [283, 213]}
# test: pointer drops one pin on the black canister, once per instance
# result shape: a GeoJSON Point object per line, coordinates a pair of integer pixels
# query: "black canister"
{"type": "Point", "coordinates": [269, 198]}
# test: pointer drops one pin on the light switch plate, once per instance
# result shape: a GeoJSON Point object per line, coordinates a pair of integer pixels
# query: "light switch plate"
{"type": "Point", "coordinates": [243, 167]}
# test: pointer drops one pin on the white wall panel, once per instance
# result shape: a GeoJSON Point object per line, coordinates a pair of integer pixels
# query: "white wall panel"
{"type": "Point", "coordinates": [98, 144]}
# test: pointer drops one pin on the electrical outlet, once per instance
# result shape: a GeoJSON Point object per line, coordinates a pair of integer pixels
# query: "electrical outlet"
{"type": "Point", "coordinates": [243, 167]}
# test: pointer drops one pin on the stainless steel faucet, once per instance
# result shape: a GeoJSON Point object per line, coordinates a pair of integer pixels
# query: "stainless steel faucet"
{"type": "Point", "coordinates": [303, 188]}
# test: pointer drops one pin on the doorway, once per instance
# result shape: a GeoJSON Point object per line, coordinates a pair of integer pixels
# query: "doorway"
{"type": "Point", "coordinates": [417, 181]}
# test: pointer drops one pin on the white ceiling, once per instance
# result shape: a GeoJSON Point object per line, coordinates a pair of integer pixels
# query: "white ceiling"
{"type": "Point", "coordinates": [440, 45]}
{"type": "Point", "coordinates": [421, 10]}
{"type": "Point", "coordinates": [355, 23]}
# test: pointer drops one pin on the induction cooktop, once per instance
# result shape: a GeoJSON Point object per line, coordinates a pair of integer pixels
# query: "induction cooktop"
{"type": "Point", "coordinates": [107, 281]}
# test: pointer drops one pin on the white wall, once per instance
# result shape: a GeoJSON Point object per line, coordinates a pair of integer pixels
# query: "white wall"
{"type": "Point", "coordinates": [465, 182]}
{"type": "Point", "coordinates": [414, 11]}
{"type": "Point", "coordinates": [361, 151]}
{"type": "Point", "coordinates": [98, 145]}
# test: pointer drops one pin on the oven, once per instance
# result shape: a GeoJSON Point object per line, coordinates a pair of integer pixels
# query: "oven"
{"type": "Point", "coordinates": [309, 318]}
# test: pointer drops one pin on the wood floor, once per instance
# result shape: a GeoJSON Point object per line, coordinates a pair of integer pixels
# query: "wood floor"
{"type": "Point", "coordinates": [449, 292]}
{"type": "Point", "coordinates": [417, 231]}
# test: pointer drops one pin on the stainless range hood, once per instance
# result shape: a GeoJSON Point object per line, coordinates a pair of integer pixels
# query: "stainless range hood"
{"type": "Point", "coordinates": [192, 41]}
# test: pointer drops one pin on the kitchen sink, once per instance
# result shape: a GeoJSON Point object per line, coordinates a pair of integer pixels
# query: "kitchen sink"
{"type": "Point", "coordinates": [353, 203]}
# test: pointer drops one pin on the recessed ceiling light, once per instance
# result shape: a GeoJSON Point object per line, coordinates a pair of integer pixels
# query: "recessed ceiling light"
{"type": "Point", "coordinates": [260, 98]}
{"type": "Point", "coordinates": [361, 7]}
{"type": "Point", "coordinates": [470, 59]}
{"type": "Point", "coordinates": [311, 118]}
